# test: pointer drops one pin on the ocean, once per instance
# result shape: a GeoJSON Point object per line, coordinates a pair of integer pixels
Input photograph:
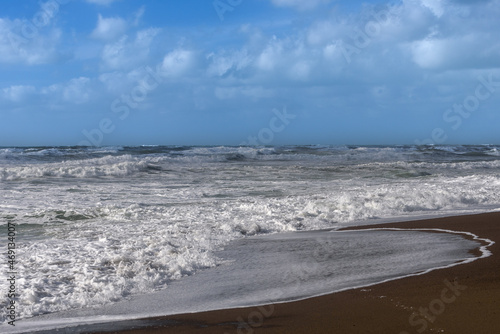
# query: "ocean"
{"type": "Point", "coordinates": [97, 228]}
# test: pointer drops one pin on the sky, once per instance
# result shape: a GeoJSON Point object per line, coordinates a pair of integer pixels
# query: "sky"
{"type": "Point", "coordinates": [249, 72]}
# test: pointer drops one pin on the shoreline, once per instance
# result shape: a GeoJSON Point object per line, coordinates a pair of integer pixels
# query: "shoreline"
{"type": "Point", "coordinates": [460, 299]}
{"type": "Point", "coordinates": [463, 298]}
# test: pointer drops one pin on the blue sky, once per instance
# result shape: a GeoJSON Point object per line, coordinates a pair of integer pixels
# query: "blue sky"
{"type": "Point", "coordinates": [265, 72]}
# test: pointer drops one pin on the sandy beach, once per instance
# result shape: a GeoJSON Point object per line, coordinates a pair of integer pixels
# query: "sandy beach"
{"type": "Point", "coordinates": [460, 299]}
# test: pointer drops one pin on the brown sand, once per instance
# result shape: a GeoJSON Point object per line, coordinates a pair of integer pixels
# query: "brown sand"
{"type": "Point", "coordinates": [468, 303]}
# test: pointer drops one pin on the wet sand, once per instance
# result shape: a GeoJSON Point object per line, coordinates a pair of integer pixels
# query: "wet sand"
{"type": "Point", "coordinates": [460, 299]}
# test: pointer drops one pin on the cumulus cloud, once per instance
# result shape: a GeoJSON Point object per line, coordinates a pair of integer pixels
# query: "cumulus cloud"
{"type": "Point", "coordinates": [225, 62]}
{"type": "Point", "coordinates": [457, 52]}
{"type": "Point", "coordinates": [272, 55]}
{"type": "Point", "coordinates": [436, 6]}
{"type": "Point", "coordinates": [177, 62]}
{"type": "Point", "coordinates": [115, 81]}
{"type": "Point", "coordinates": [20, 43]}
{"type": "Point", "coordinates": [127, 53]}
{"type": "Point", "coordinates": [109, 28]}
{"type": "Point", "coordinates": [18, 93]}
{"type": "Point", "coordinates": [75, 91]}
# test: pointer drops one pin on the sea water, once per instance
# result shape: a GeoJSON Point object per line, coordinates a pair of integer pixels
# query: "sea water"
{"type": "Point", "coordinates": [98, 226]}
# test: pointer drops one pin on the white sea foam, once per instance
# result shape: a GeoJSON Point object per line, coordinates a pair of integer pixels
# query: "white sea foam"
{"type": "Point", "coordinates": [288, 267]}
{"type": "Point", "coordinates": [93, 256]}
{"type": "Point", "coordinates": [100, 225]}
{"type": "Point", "coordinates": [98, 167]}
{"type": "Point", "coordinates": [124, 165]}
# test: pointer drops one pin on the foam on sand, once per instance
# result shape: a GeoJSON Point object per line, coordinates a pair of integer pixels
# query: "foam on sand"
{"type": "Point", "coordinates": [287, 267]}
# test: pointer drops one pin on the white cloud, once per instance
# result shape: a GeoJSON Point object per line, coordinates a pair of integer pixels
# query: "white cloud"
{"type": "Point", "coordinates": [325, 31]}
{"type": "Point", "coordinates": [138, 15]}
{"type": "Point", "coordinates": [118, 82]}
{"type": "Point", "coordinates": [177, 62]}
{"type": "Point", "coordinates": [474, 50]}
{"type": "Point", "coordinates": [225, 62]}
{"type": "Point", "coordinates": [77, 90]}
{"type": "Point", "coordinates": [114, 55]}
{"type": "Point", "coordinates": [436, 6]}
{"type": "Point", "coordinates": [109, 28]}
{"type": "Point", "coordinates": [125, 54]}
{"type": "Point", "coordinates": [18, 93]}
{"type": "Point", "coordinates": [33, 48]}
{"type": "Point", "coordinates": [115, 82]}
{"type": "Point", "coordinates": [271, 55]}
{"type": "Point", "coordinates": [429, 53]}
